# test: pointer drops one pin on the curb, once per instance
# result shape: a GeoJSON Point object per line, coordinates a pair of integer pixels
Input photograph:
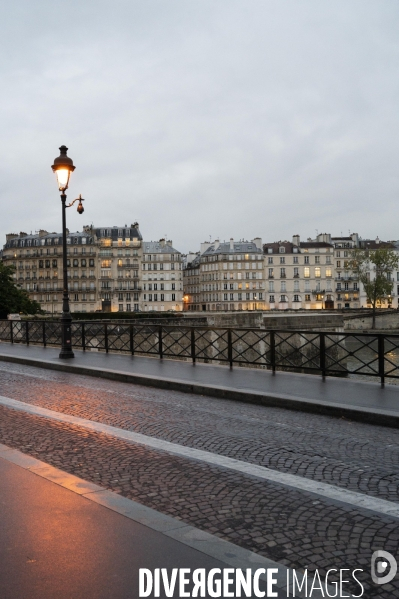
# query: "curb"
{"type": "Point", "coordinates": [291, 402]}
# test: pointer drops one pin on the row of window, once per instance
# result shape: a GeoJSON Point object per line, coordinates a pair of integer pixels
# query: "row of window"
{"type": "Point", "coordinates": [346, 286]}
{"type": "Point", "coordinates": [128, 297]}
{"type": "Point", "coordinates": [297, 298]}
{"type": "Point", "coordinates": [161, 266]}
{"type": "Point", "coordinates": [231, 257]}
{"type": "Point", "coordinates": [75, 262]}
{"type": "Point", "coordinates": [75, 298]}
{"type": "Point", "coordinates": [121, 233]}
{"type": "Point", "coordinates": [306, 260]}
{"type": "Point", "coordinates": [226, 266]}
{"type": "Point", "coordinates": [159, 257]}
{"type": "Point", "coordinates": [259, 297]}
{"type": "Point", "coordinates": [235, 286]}
{"type": "Point", "coordinates": [129, 308]}
{"type": "Point", "coordinates": [154, 286]}
{"type": "Point", "coordinates": [306, 272]}
{"type": "Point", "coordinates": [233, 275]}
{"type": "Point", "coordinates": [158, 297]}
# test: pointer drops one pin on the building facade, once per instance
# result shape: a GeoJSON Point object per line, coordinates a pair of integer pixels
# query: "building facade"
{"type": "Point", "coordinates": [114, 269]}
{"type": "Point", "coordinates": [109, 269]}
{"type": "Point", "coordinates": [38, 262]}
{"type": "Point", "coordinates": [299, 274]}
{"type": "Point", "coordinates": [311, 274]}
{"type": "Point", "coordinates": [119, 256]}
{"type": "Point", "coordinates": [347, 286]}
{"type": "Point", "coordinates": [226, 276]}
{"type": "Point", "coordinates": [162, 277]}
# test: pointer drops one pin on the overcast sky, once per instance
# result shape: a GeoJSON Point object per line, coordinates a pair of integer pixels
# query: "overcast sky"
{"type": "Point", "coordinates": [202, 118]}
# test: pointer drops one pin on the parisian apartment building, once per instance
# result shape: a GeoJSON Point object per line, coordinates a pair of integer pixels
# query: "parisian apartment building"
{"type": "Point", "coordinates": [311, 274]}
{"type": "Point", "coordinates": [113, 269]}
{"type": "Point", "coordinates": [226, 276]}
{"type": "Point", "coordinates": [109, 269]}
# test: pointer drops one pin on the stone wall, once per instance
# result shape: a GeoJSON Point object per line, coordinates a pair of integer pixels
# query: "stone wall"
{"type": "Point", "coordinates": [384, 321]}
{"type": "Point", "coordinates": [295, 321]}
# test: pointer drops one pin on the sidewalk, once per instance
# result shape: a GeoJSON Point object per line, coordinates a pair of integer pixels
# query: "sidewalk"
{"type": "Point", "coordinates": [353, 399]}
{"type": "Point", "coordinates": [57, 542]}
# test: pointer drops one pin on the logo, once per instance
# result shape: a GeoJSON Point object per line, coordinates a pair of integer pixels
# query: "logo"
{"type": "Point", "coordinates": [383, 563]}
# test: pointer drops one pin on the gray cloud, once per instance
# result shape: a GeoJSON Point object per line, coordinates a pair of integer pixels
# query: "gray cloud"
{"type": "Point", "coordinates": [203, 117]}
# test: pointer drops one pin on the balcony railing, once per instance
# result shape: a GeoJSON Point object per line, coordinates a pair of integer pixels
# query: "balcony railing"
{"type": "Point", "coordinates": [349, 290]}
{"type": "Point", "coordinates": [351, 278]}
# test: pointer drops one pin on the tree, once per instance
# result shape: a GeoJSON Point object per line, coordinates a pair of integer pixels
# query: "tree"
{"type": "Point", "coordinates": [12, 298]}
{"type": "Point", "coordinates": [374, 268]}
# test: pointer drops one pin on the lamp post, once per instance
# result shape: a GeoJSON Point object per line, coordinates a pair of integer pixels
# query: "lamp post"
{"type": "Point", "coordinates": [63, 167]}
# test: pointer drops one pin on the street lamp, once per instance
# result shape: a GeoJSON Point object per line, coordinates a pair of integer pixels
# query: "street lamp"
{"type": "Point", "coordinates": [63, 167]}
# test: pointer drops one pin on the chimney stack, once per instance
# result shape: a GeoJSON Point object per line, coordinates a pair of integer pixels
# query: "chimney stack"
{"type": "Point", "coordinates": [296, 240]}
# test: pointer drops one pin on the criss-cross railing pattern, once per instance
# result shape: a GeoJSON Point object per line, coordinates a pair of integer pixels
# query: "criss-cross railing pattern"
{"type": "Point", "coordinates": [334, 353]}
{"type": "Point", "coordinates": [251, 346]}
{"type": "Point", "coordinates": [176, 342]}
{"type": "Point", "coordinates": [353, 353]}
{"type": "Point", "coordinates": [212, 344]}
{"type": "Point", "coordinates": [118, 336]}
{"type": "Point", "coordinates": [36, 333]}
{"type": "Point", "coordinates": [93, 336]}
{"type": "Point", "coordinates": [297, 350]}
{"type": "Point", "coordinates": [77, 334]}
{"type": "Point", "coordinates": [52, 333]}
{"type": "Point", "coordinates": [5, 330]}
{"type": "Point", "coordinates": [146, 340]}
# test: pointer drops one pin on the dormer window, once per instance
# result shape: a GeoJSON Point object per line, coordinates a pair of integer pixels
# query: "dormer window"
{"type": "Point", "coordinates": [281, 249]}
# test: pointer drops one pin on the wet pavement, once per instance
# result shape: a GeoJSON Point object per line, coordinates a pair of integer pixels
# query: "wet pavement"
{"type": "Point", "coordinates": [291, 526]}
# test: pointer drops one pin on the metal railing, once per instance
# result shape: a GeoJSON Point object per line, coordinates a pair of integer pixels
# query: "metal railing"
{"type": "Point", "coordinates": [324, 352]}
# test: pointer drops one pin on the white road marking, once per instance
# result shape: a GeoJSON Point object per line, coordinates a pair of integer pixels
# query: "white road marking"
{"type": "Point", "coordinates": [351, 498]}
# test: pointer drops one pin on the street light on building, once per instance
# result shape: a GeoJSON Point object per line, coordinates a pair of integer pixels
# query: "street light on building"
{"type": "Point", "coordinates": [63, 167]}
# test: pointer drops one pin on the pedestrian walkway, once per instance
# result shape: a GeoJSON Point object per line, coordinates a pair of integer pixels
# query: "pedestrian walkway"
{"type": "Point", "coordinates": [354, 399]}
{"type": "Point", "coordinates": [64, 537]}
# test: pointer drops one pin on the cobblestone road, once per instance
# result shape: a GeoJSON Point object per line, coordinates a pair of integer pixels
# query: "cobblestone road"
{"type": "Point", "coordinates": [293, 527]}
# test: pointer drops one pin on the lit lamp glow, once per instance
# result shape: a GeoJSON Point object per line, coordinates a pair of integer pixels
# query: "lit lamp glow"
{"type": "Point", "coordinates": [62, 178]}
{"type": "Point", "coordinates": [63, 167]}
